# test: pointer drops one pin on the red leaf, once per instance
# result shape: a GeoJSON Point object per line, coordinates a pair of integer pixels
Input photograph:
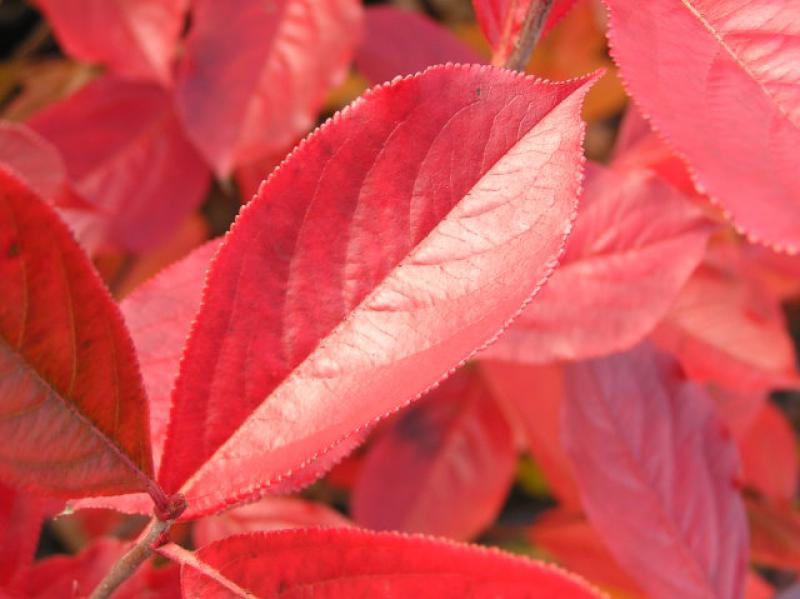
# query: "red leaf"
{"type": "Point", "coordinates": [737, 410]}
{"type": "Point", "coordinates": [776, 535]}
{"type": "Point", "coordinates": [127, 155]}
{"type": "Point", "coordinates": [134, 38]}
{"type": "Point", "coordinates": [255, 74]}
{"type": "Point", "coordinates": [73, 415]}
{"type": "Point", "coordinates": [726, 328]}
{"type": "Point", "coordinates": [21, 517]}
{"type": "Point", "coordinates": [532, 398]}
{"type": "Point", "coordinates": [769, 456]}
{"type": "Point", "coordinates": [451, 459]}
{"type": "Point", "coordinates": [271, 513]}
{"type": "Point", "coordinates": [721, 81]}
{"type": "Point", "coordinates": [403, 42]}
{"type": "Point", "coordinates": [387, 262]}
{"type": "Point", "coordinates": [501, 21]}
{"type": "Point", "coordinates": [159, 315]}
{"type": "Point", "coordinates": [656, 472]}
{"type": "Point", "coordinates": [354, 563]}
{"type": "Point", "coordinates": [613, 285]}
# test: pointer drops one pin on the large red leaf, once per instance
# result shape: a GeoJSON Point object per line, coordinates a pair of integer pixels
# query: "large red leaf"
{"type": "Point", "coordinates": [390, 245]}
{"type": "Point", "coordinates": [613, 285]}
{"type": "Point", "coordinates": [271, 513]}
{"type": "Point", "coordinates": [720, 79]}
{"type": "Point", "coordinates": [354, 563]}
{"type": "Point", "coordinates": [725, 327]}
{"type": "Point", "coordinates": [21, 517]}
{"type": "Point", "coordinates": [134, 38]}
{"type": "Point", "coordinates": [403, 42]}
{"type": "Point", "coordinates": [127, 155]}
{"type": "Point", "coordinates": [255, 73]}
{"type": "Point", "coordinates": [532, 398]}
{"type": "Point", "coordinates": [502, 20]}
{"type": "Point", "coordinates": [73, 414]}
{"type": "Point", "coordinates": [451, 459]}
{"type": "Point", "coordinates": [656, 471]}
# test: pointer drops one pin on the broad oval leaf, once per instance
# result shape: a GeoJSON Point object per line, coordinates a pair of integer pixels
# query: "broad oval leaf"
{"type": "Point", "coordinates": [656, 471]}
{"type": "Point", "coordinates": [133, 38]}
{"type": "Point", "coordinates": [127, 155]}
{"type": "Point", "coordinates": [720, 79]}
{"type": "Point", "coordinates": [355, 563]}
{"type": "Point", "coordinates": [444, 467]}
{"type": "Point", "coordinates": [613, 285]}
{"type": "Point", "coordinates": [403, 42]}
{"type": "Point", "coordinates": [254, 74]}
{"type": "Point", "coordinates": [390, 245]}
{"type": "Point", "coordinates": [73, 414]}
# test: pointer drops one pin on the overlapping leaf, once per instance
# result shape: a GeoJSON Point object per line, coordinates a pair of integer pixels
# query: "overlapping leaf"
{"type": "Point", "coordinates": [126, 153]}
{"type": "Point", "coordinates": [391, 244]}
{"type": "Point", "coordinates": [720, 79]}
{"type": "Point", "coordinates": [443, 468]}
{"type": "Point", "coordinates": [353, 563]}
{"type": "Point", "coordinates": [255, 73]}
{"type": "Point", "coordinates": [613, 285]}
{"type": "Point", "coordinates": [656, 471]}
{"type": "Point", "coordinates": [134, 38]}
{"type": "Point", "coordinates": [73, 414]}
{"type": "Point", "coordinates": [21, 517]}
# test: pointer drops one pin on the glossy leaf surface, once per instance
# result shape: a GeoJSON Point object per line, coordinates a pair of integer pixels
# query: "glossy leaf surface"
{"type": "Point", "coordinates": [720, 79]}
{"type": "Point", "coordinates": [73, 414]}
{"type": "Point", "coordinates": [308, 335]}
{"type": "Point", "coordinates": [353, 563]}
{"type": "Point", "coordinates": [403, 42]}
{"type": "Point", "coordinates": [656, 471]}
{"type": "Point", "coordinates": [136, 167]}
{"type": "Point", "coordinates": [133, 38]}
{"type": "Point", "coordinates": [444, 467]}
{"type": "Point", "coordinates": [255, 73]}
{"type": "Point", "coordinates": [613, 285]}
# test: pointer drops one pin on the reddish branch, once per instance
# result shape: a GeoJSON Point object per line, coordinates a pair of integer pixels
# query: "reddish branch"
{"type": "Point", "coordinates": [529, 34]}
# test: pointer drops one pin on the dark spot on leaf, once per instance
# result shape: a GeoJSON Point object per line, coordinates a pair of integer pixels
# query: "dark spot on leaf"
{"type": "Point", "coordinates": [13, 249]}
{"type": "Point", "coordinates": [478, 91]}
{"type": "Point", "coordinates": [415, 428]}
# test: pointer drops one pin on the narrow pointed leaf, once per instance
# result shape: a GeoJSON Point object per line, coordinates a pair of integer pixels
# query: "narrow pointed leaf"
{"type": "Point", "coordinates": [353, 563]}
{"type": "Point", "coordinates": [404, 42]}
{"type": "Point", "coordinates": [127, 155]}
{"type": "Point", "coordinates": [720, 79]}
{"type": "Point", "coordinates": [613, 285]}
{"type": "Point", "coordinates": [451, 458]}
{"type": "Point", "coordinates": [133, 38]}
{"type": "Point", "coordinates": [656, 471]}
{"type": "Point", "coordinates": [73, 414]}
{"type": "Point", "coordinates": [254, 74]}
{"type": "Point", "coordinates": [392, 244]}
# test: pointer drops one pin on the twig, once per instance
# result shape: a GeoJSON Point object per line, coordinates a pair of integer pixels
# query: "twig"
{"type": "Point", "coordinates": [529, 35]}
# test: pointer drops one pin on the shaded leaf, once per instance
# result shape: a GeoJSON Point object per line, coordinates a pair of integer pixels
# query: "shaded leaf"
{"type": "Point", "coordinates": [354, 563]}
{"type": "Point", "coordinates": [134, 38]}
{"type": "Point", "coordinates": [254, 74]}
{"type": "Point", "coordinates": [775, 534]}
{"type": "Point", "coordinates": [21, 517]}
{"type": "Point", "coordinates": [721, 81]}
{"type": "Point", "coordinates": [308, 334]}
{"type": "Point", "coordinates": [656, 472]}
{"type": "Point", "coordinates": [73, 414]}
{"type": "Point", "coordinates": [444, 467]}
{"type": "Point", "coordinates": [127, 155]}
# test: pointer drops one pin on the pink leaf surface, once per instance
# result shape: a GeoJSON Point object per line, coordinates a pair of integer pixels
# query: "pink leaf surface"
{"type": "Point", "coordinates": [403, 42]}
{"type": "Point", "coordinates": [255, 74]}
{"type": "Point", "coordinates": [354, 563]}
{"type": "Point", "coordinates": [133, 38]}
{"type": "Point", "coordinates": [501, 21]}
{"type": "Point", "coordinates": [726, 328]}
{"type": "Point", "coordinates": [532, 397]}
{"type": "Point", "coordinates": [271, 513]}
{"type": "Point", "coordinates": [656, 471]}
{"type": "Point", "coordinates": [127, 155]}
{"type": "Point", "coordinates": [73, 414]}
{"type": "Point", "coordinates": [613, 285]}
{"type": "Point", "coordinates": [720, 79]}
{"type": "Point", "coordinates": [444, 467]}
{"type": "Point", "coordinates": [402, 235]}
